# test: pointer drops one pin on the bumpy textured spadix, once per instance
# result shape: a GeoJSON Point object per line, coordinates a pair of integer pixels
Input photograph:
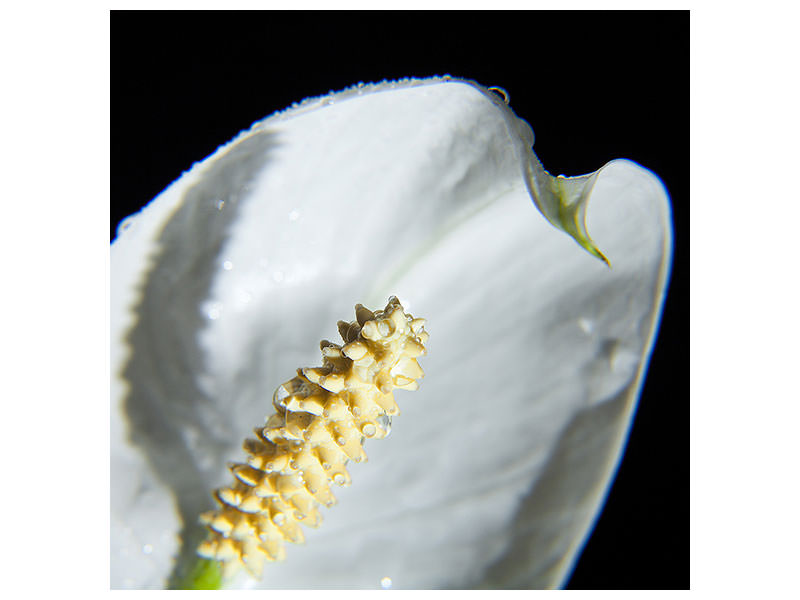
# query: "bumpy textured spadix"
{"type": "Point", "coordinates": [323, 416]}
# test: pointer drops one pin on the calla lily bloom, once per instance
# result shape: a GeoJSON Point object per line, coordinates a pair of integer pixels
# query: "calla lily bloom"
{"type": "Point", "coordinates": [497, 467]}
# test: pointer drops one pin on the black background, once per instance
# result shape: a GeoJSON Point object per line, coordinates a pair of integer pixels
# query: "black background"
{"type": "Point", "coordinates": [593, 85]}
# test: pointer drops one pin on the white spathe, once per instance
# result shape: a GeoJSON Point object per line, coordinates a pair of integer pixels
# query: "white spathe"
{"type": "Point", "coordinates": [224, 285]}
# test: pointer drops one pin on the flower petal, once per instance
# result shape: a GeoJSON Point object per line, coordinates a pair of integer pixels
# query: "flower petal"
{"type": "Point", "coordinates": [225, 284]}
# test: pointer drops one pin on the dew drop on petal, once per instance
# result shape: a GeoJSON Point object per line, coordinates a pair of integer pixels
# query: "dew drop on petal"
{"type": "Point", "coordinates": [368, 430]}
{"type": "Point", "coordinates": [213, 310]}
{"type": "Point", "coordinates": [586, 325]}
{"type": "Point", "coordinates": [501, 92]}
{"type": "Point", "coordinates": [243, 297]}
{"type": "Point", "coordinates": [623, 359]}
{"type": "Point", "coordinates": [125, 224]}
{"type": "Point", "coordinates": [338, 479]}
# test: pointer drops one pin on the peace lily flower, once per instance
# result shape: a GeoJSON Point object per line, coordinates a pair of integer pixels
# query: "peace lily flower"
{"type": "Point", "coordinates": [424, 189]}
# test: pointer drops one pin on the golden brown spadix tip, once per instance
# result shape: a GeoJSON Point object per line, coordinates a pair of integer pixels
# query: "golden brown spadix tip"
{"type": "Point", "coordinates": [323, 416]}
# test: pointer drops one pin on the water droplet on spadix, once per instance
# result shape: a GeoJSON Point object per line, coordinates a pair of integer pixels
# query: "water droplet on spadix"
{"type": "Point", "coordinates": [280, 395]}
{"type": "Point", "coordinates": [385, 423]}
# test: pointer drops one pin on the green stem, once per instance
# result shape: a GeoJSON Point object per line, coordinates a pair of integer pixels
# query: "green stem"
{"type": "Point", "coordinates": [205, 574]}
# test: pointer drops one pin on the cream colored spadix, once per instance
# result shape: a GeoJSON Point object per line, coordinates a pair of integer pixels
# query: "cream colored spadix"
{"type": "Point", "coordinates": [323, 416]}
{"type": "Point", "coordinates": [424, 189]}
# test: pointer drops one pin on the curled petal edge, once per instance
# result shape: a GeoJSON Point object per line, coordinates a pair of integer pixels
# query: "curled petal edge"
{"type": "Point", "coordinates": [563, 201]}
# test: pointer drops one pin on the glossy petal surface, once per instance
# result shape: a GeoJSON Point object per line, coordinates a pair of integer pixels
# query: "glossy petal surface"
{"type": "Point", "coordinates": [225, 284]}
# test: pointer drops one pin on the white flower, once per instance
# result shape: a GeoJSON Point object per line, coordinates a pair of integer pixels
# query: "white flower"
{"type": "Point", "coordinates": [224, 285]}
